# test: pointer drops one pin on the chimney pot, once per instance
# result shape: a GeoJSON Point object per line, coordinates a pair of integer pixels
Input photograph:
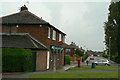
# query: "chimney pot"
{"type": "Point", "coordinates": [24, 8]}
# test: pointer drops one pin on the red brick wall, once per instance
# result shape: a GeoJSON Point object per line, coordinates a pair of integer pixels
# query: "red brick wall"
{"type": "Point", "coordinates": [41, 60]}
{"type": "Point", "coordinates": [71, 53]}
{"type": "Point", "coordinates": [6, 29]}
{"type": "Point", "coordinates": [41, 34]}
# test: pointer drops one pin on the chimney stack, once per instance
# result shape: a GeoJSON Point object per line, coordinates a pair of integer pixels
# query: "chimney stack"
{"type": "Point", "coordinates": [24, 8]}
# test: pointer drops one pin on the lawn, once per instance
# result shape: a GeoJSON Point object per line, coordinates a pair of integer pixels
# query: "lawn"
{"type": "Point", "coordinates": [77, 75]}
{"type": "Point", "coordinates": [97, 68]}
{"type": "Point", "coordinates": [82, 75]}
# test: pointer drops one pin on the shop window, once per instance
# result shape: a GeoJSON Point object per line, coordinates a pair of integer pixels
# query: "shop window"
{"type": "Point", "coordinates": [51, 56]}
{"type": "Point", "coordinates": [58, 56]}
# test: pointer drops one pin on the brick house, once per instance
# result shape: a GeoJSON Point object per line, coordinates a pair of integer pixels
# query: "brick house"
{"type": "Point", "coordinates": [70, 49]}
{"type": "Point", "coordinates": [26, 41]}
{"type": "Point", "coordinates": [26, 22]}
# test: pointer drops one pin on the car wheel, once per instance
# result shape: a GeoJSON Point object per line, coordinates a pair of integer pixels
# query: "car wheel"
{"type": "Point", "coordinates": [106, 64]}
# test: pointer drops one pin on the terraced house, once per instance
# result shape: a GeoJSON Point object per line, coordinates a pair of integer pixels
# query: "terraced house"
{"type": "Point", "coordinates": [26, 22]}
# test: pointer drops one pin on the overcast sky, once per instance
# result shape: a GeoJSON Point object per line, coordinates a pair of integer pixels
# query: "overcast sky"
{"type": "Point", "coordinates": [82, 21]}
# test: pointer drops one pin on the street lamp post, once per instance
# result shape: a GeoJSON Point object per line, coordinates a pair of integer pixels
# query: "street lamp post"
{"type": "Point", "coordinates": [109, 46]}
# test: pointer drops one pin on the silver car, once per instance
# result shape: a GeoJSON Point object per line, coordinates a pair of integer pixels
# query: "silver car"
{"type": "Point", "coordinates": [102, 62]}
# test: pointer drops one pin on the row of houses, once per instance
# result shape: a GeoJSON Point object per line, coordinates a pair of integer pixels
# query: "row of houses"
{"type": "Point", "coordinates": [26, 30]}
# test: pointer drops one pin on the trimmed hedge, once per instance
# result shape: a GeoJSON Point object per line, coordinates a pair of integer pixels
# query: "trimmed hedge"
{"type": "Point", "coordinates": [67, 59]}
{"type": "Point", "coordinates": [17, 60]}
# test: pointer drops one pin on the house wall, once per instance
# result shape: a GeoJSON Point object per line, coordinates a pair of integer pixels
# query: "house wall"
{"type": "Point", "coordinates": [9, 29]}
{"type": "Point", "coordinates": [41, 60]}
{"type": "Point", "coordinates": [41, 34]}
{"type": "Point", "coordinates": [71, 53]}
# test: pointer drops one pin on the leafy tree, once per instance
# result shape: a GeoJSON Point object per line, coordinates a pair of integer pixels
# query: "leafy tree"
{"type": "Point", "coordinates": [112, 29]}
{"type": "Point", "coordinates": [79, 52]}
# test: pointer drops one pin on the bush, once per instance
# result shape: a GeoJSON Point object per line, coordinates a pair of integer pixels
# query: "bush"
{"type": "Point", "coordinates": [17, 60]}
{"type": "Point", "coordinates": [115, 58]}
{"type": "Point", "coordinates": [75, 55]}
{"type": "Point", "coordinates": [79, 52]}
{"type": "Point", "coordinates": [94, 54]}
{"type": "Point", "coordinates": [67, 59]}
{"type": "Point", "coordinates": [104, 55]}
{"type": "Point", "coordinates": [85, 56]}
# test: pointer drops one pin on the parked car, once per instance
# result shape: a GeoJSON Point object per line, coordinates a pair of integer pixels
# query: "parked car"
{"type": "Point", "coordinates": [102, 62]}
{"type": "Point", "coordinates": [91, 58]}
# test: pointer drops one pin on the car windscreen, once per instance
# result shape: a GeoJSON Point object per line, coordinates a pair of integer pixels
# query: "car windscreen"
{"type": "Point", "coordinates": [104, 60]}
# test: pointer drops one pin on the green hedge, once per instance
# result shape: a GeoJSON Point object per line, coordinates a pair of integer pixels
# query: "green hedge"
{"type": "Point", "coordinates": [67, 59]}
{"type": "Point", "coordinates": [17, 60]}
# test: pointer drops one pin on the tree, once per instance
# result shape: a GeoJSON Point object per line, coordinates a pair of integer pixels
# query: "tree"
{"type": "Point", "coordinates": [79, 52]}
{"type": "Point", "coordinates": [112, 29]}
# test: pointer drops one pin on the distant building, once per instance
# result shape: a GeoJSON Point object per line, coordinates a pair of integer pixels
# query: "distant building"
{"type": "Point", "coordinates": [70, 49]}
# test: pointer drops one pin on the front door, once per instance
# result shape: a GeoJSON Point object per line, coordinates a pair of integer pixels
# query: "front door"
{"type": "Point", "coordinates": [48, 58]}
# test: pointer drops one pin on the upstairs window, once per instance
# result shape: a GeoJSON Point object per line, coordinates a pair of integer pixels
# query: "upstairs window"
{"type": "Point", "coordinates": [48, 32]}
{"type": "Point", "coordinates": [60, 39]}
{"type": "Point", "coordinates": [63, 39]}
{"type": "Point", "coordinates": [54, 35]}
{"type": "Point", "coordinates": [67, 50]}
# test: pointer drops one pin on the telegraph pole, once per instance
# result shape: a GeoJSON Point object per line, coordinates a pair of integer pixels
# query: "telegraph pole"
{"type": "Point", "coordinates": [109, 46]}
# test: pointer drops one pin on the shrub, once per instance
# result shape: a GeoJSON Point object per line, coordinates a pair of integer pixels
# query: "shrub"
{"type": "Point", "coordinates": [79, 52]}
{"type": "Point", "coordinates": [104, 55]}
{"type": "Point", "coordinates": [67, 59]}
{"type": "Point", "coordinates": [115, 58]}
{"type": "Point", "coordinates": [75, 55]}
{"type": "Point", "coordinates": [85, 56]}
{"type": "Point", "coordinates": [17, 60]}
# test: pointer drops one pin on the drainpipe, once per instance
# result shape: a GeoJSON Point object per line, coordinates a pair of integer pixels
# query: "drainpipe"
{"type": "Point", "coordinates": [9, 27]}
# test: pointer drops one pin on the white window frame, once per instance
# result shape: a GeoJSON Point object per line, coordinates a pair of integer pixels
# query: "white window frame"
{"type": "Point", "coordinates": [60, 37]}
{"type": "Point", "coordinates": [48, 32]}
{"type": "Point", "coordinates": [54, 35]}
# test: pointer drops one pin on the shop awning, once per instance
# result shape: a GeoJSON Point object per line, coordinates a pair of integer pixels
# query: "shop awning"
{"type": "Point", "coordinates": [56, 49]}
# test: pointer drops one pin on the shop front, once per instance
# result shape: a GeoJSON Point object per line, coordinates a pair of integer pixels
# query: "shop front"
{"type": "Point", "coordinates": [57, 53]}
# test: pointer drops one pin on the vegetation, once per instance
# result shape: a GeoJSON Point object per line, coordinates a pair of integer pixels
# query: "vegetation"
{"type": "Point", "coordinates": [97, 68]}
{"type": "Point", "coordinates": [75, 75]}
{"type": "Point", "coordinates": [67, 59]}
{"type": "Point", "coordinates": [104, 55]}
{"type": "Point", "coordinates": [79, 52]}
{"type": "Point", "coordinates": [16, 60]}
{"type": "Point", "coordinates": [112, 31]}
{"type": "Point", "coordinates": [84, 57]}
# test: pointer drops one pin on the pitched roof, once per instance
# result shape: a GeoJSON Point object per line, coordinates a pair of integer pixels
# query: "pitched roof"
{"type": "Point", "coordinates": [70, 46]}
{"type": "Point", "coordinates": [21, 41]}
{"type": "Point", "coordinates": [23, 17]}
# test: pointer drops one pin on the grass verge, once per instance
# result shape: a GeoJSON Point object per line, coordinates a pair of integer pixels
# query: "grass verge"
{"type": "Point", "coordinates": [97, 68]}
{"type": "Point", "coordinates": [77, 75]}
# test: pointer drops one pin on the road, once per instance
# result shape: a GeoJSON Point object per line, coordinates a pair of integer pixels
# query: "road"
{"type": "Point", "coordinates": [97, 58]}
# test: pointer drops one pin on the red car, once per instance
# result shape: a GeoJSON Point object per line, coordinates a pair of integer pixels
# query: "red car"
{"type": "Point", "coordinates": [91, 58]}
